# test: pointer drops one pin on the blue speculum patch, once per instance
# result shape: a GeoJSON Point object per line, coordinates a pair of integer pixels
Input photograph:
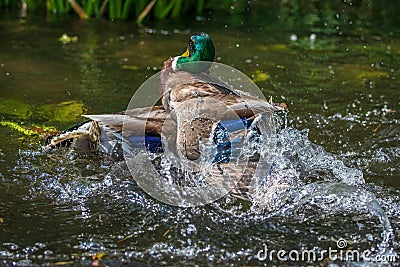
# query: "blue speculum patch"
{"type": "Point", "coordinates": [221, 139]}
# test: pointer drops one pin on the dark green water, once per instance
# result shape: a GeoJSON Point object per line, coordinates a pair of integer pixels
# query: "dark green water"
{"type": "Point", "coordinates": [337, 68]}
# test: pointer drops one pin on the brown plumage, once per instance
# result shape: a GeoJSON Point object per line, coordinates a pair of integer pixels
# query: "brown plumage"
{"type": "Point", "coordinates": [197, 101]}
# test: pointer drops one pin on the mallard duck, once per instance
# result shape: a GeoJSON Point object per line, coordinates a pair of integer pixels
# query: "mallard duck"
{"type": "Point", "coordinates": [195, 107]}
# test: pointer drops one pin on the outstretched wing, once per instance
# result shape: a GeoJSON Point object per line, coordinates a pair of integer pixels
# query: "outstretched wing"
{"type": "Point", "coordinates": [198, 101]}
{"type": "Point", "coordinates": [103, 130]}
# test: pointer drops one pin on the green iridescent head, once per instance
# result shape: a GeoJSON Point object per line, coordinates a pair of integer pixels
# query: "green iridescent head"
{"type": "Point", "coordinates": [200, 48]}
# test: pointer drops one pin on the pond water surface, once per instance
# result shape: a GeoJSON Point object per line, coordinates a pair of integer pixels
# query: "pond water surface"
{"type": "Point", "coordinates": [338, 145]}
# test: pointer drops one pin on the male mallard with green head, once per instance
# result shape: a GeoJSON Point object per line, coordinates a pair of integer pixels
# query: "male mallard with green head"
{"type": "Point", "coordinates": [197, 101]}
{"type": "Point", "coordinates": [193, 105]}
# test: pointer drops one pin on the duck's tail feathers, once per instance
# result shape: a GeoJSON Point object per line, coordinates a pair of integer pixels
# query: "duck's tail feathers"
{"type": "Point", "coordinates": [64, 139]}
{"type": "Point", "coordinates": [85, 135]}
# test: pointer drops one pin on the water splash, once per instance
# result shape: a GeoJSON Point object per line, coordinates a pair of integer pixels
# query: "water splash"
{"type": "Point", "coordinates": [296, 162]}
{"type": "Point", "coordinates": [307, 190]}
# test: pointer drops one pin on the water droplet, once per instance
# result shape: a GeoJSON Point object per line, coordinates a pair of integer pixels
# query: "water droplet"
{"type": "Point", "coordinates": [191, 229]}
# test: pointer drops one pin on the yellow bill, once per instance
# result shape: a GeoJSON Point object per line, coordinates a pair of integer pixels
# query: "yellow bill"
{"type": "Point", "coordinates": [186, 53]}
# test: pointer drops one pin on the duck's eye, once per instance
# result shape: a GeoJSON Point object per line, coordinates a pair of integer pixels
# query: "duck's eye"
{"type": "Point", "coordinates": [191, 45]}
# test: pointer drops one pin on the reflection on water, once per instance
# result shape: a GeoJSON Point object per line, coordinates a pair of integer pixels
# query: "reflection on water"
{"type": "Point", "coordinates": [337, 153]}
